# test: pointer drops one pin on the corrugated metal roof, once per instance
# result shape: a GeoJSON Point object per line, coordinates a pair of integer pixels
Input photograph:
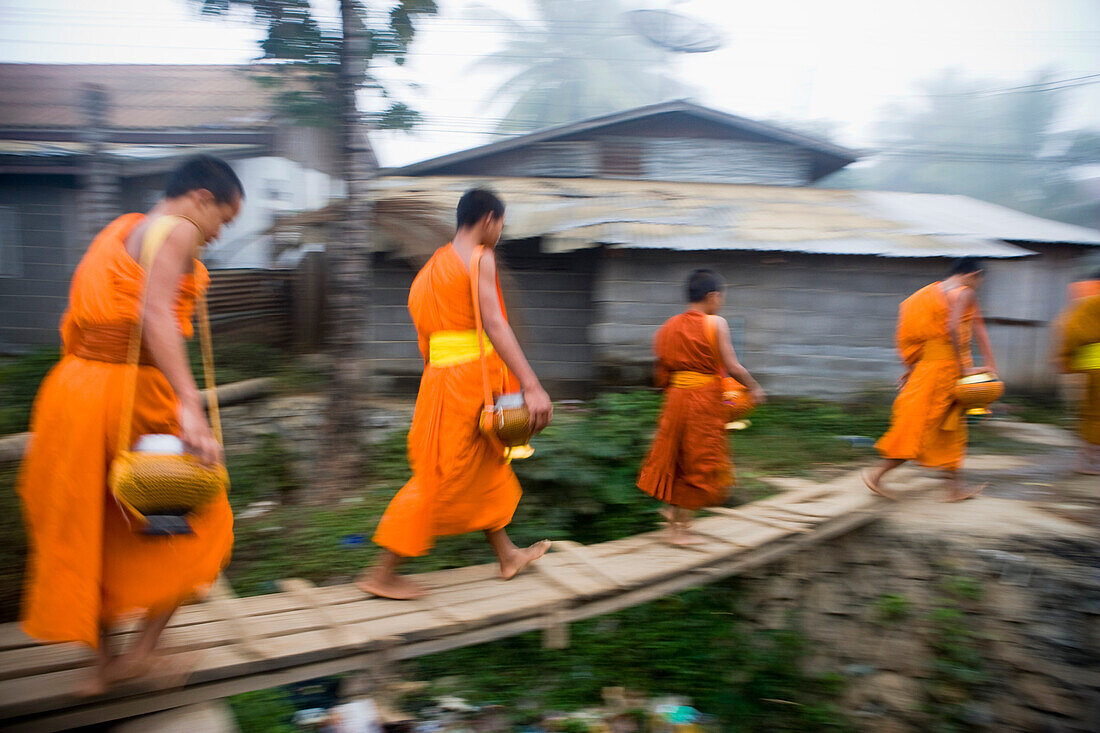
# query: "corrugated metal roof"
{"type": "Point", "coordinates": [572, 214]}
{"type": "Point", "coordinates": [972, 217]}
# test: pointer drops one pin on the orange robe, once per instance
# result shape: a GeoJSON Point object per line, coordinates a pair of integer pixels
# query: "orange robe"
{"type": "Point", "coordinates": [1081, 327]}
{"type": "Point", "coordinates": [87, 567]}
{"type": "Point", "coordinates": [460, 481]}
{"type": "Point", "coordinates": [689, 463]}
{"type": "Point", "coordinates": [920, 429]}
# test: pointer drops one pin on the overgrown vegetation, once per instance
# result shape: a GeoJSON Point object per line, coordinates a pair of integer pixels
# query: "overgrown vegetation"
{"type": "Point", "coordinates": [19, 380]}
{"type": "Point", "coordinates": [958, 669]}
{"type": "Point", "coordinates": [20, 376]}
{"type": "Point", "coordinates": [693, 644]}
{"type": "Point", "coordinates": [13, 546]}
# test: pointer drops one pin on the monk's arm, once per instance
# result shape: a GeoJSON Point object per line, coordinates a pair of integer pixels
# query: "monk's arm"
{"type": "Point", "coordinates": [733, 365]}
{"type": "Point", "coordinates": [165, 343]}
{"type": "Point", "coordinates": [504, 341]}
{"type": "Point", "coordinates": [984, 345]}
{"type": "Point", "coordinates": [954, 320]}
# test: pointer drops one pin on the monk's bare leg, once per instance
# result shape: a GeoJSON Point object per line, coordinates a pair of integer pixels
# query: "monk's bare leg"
{"type": "Point", "coordinates": [513, 559]}
{"type": "Point", "coordinates": [872, 477]}
{"type": "Point", "coordinates": [98, 681]}
{"type": "Point", "coordinates": [145, 660]}
{"type": "Point", "coordinates": [959, 491]}
{"type": "Point", "coordinates": [1088, 460]}
{"type": "Point", "coordinates": [681, 534]}
{"type": "Point", "coordinates": [382, 580]}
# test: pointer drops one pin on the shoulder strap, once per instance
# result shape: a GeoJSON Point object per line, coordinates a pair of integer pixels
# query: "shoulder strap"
{"type": "Point", "coordinates": [155, 236]}
{"type": "Point", "coordinates": [712, 337]}
{"type": "Point", "coordinates": [475, 290]}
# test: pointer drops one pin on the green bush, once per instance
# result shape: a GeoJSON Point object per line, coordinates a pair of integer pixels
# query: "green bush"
{"type": "Point", "coordinates": [19, 380]}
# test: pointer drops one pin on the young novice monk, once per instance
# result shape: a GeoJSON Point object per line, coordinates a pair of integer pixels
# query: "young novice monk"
{"type": "Point", "coordinates": [461, 482]}
{"type": "Point", "coordinates": [1078, 350]}
{"type": "Point", "coordinates": [935, 329]}
{"type": "Point", "coordinates": [689, 465]}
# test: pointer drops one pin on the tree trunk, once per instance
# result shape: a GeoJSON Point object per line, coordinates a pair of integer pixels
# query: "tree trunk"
{"type": "Point", "coordinates": [350, 274]}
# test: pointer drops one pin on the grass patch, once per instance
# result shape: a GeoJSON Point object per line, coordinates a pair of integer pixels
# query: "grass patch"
{"type": "Point", "coordinates": [892, 608]}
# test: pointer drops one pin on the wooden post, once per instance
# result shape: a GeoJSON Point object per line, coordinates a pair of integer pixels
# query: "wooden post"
{"type": "Point", "coordinates": [98, 200]}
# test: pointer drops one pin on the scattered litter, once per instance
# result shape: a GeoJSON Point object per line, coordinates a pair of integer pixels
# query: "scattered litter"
{"type": "Point", "coordinates": [257, 509]}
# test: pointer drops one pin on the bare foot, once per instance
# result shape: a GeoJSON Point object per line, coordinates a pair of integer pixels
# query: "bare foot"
{"type": "Point", "coordinates": [872, 483]}
{"type": "Point", "coordinates": [96, 684]}
{"type": "Point", "coordinates": [683, 537]}
{"type": "Point", "coordinates": [389, 585]}
{"type": "Point", "coordinates": [669, 515]}
{"type": "Point", "coordinates": [105, 675]}
{"type": "Point", "coordinates": [172, 671]}
{"type": "Point", "coordinates": [515, 562]}
{"type": "Point", "coordinates": [962, 493]}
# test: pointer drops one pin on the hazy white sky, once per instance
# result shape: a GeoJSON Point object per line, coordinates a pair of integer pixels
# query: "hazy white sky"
{"type": "Point", "coordinates": [841, 60]}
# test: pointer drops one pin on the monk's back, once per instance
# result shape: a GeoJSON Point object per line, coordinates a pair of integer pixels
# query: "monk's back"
{"type": "Point", "coordinates": [107, 285]}
{"type": "Point", "coordinates": [440, 298]}
{"type": "Point", "coordinates": [684, 344]}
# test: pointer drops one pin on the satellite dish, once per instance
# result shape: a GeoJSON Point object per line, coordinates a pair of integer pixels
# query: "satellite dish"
{"type": "Point", "coordinates": [675, 31]}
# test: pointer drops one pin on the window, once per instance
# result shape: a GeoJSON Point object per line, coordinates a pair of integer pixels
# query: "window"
{"type": "Point", "coordinates": [11, 249]}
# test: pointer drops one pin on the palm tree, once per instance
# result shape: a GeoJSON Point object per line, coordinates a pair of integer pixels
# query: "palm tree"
{"type": "Point", "coordinates": [579, 59]}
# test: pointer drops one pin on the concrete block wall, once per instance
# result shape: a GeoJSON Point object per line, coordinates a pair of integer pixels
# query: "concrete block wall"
{"type": "Point", "coordinates": [812, 325]}
{"type": "Point", "coordinates": [49, 248]}
{"type": "Point", "coordinates": [549, 302]}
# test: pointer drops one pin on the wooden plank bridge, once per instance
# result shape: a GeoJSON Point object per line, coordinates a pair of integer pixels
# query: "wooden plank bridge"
{"type": "Point", "coordinates": [305, 632]}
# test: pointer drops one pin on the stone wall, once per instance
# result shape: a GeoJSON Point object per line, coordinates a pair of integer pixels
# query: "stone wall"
{"type": "Point", "coordinates": [931, 631]}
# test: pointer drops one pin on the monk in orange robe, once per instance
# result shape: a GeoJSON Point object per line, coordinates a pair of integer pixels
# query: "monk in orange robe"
{"type": "Point", "coordinates": [1078, 351]}
{"type": "Point", "coordinates": [461, 481]}
{"type": "Point", "coordinates": [935, 329]}
{"type": "Point", "coordinates": [689, 465]}
{"type": "Point", "coordinates": [88, 567]}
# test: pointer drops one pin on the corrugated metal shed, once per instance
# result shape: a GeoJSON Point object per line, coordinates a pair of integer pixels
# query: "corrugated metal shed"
{"type": "Point", "coordinates": [571, 214]}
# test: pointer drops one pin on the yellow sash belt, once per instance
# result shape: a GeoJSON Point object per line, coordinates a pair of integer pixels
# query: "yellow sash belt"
{"type": "Point", "coordinates": [690, 380]}
{"type": "Point", "coordinates": [450, 348]}
{"type": "Point", "coordinates": [937, 351]}
{"type": "Point", "coordinates": [1087, 358]}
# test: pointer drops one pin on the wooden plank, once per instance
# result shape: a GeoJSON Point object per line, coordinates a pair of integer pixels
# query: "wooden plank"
{"type": "Point", "coordinates": [739, 514]}
{"type": "Point", "coordinates": [559, 577]}
{"type": "Point", "coordinates": [340, 636]}
{"type": "Point", "coordinates": [579, 552]}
